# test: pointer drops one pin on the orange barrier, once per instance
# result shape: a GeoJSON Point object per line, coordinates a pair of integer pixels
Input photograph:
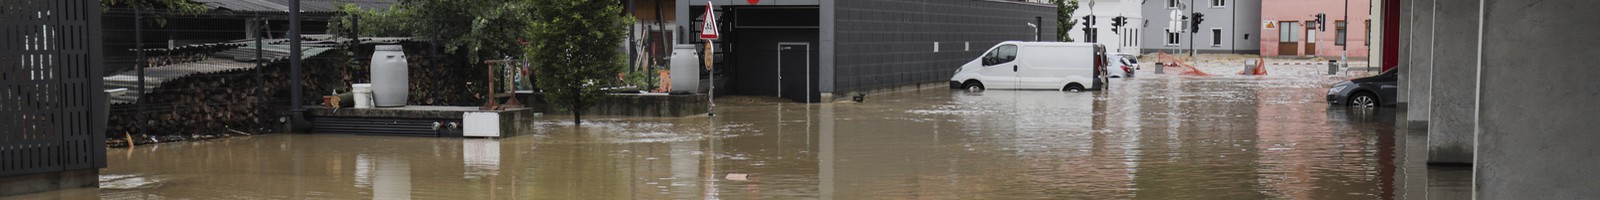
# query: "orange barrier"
{"type": "Point", "coordinates": [1185, 68]}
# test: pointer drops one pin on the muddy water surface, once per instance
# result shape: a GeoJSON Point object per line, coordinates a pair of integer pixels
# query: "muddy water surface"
{"type": "Point", "coordinates": [1151, 137]}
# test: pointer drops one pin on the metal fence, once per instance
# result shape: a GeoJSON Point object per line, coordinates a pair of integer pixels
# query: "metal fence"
{"type": "Point", "coordinates": [50, 87]}
{"type": "Point", "coordinates": [227, 71]}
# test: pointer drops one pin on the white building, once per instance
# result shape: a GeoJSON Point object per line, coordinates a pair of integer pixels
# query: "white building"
{"type": "Point", "coordinates": [1125, 39]}
{"type": "Point", "coordinates": [1229, 26]}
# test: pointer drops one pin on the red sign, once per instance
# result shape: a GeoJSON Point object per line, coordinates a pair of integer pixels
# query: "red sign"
{"type": "Point", "coordinates": [753, 1]}
{"type": "Point", "coordinates": [709, 30]}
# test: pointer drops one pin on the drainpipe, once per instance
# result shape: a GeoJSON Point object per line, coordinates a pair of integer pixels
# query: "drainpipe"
{"type": "Point", "coordinates": [294, 65]}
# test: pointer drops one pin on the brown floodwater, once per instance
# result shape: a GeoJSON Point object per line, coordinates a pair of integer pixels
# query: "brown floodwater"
{"type": "Point", "coordinates": [1151, 137]}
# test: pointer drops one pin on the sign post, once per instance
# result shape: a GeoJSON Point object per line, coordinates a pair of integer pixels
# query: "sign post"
{"type": "Point", "coordinates": [709, 33]}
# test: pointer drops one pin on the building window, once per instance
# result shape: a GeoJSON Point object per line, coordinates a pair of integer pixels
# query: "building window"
{"type": "Point", "coordinates": [1172, 37]}
{"type": "Point", "coordinates": [1216, 37]}
{"type": "Point", "coordinates": [1128, 34]}
{"type": "Point", "coordinates": [1311, 35]}
{"type": "Point", "coordinates": [1132, 36]}
{"type": "Point", "coordinates": [1287, 32]}
{"type": "Point", "coordinates": [1172, 3]}
{"type": "Point", "coordinates": [1219, 3]}
{"type": "Point", "coordinates": [1339, 31]}
{"type": "Point", "coordinates": [1125, 39]}
{"type": "Point", "coordinates": [1367, 39]}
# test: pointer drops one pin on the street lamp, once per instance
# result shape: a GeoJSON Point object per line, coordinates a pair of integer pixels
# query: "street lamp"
{"type": "Point", "coordinates": [1035, 31]}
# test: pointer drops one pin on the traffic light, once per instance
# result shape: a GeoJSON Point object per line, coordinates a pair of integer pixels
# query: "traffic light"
{"type": "Point", "coordinates": [1322, 22]}
{"type": "Point", "coordinates": [1088, 21]}
{"type": "Point", "coordinates": [1195, 23]}
{"type": "Point", "coordinates": [1118, 22]}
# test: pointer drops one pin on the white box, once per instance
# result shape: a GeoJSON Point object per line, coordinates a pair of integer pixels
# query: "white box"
{"type": "Point", "coordinates": [480, 124]}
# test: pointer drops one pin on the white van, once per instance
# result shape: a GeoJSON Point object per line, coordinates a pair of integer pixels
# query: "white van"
{"type": "Point", "coordinates": [1062, 66]}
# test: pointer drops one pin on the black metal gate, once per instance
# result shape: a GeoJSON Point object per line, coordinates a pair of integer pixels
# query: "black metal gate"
{"type": "Point", "coordinates": [50, 87]}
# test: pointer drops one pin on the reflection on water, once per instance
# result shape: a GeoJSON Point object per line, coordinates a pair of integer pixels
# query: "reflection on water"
{"type": "Point", "coordinates": [1155, 137]}
{"type": "Point", "coordinates": [391, 178]}
{"type": "Point", "coordinates": [482, 158]}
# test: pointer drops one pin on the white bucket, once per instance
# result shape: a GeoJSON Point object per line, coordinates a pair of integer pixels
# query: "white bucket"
{"type": "Point", "coordinates": [363, 94]}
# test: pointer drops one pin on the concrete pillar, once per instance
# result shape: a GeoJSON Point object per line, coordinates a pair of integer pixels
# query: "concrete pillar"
{"type": "Point", "coordinates": [1403, 53]}
{"type": "Point", "coordinates": [1421, 74]}
{"type": "Point", "coordinates": [1453, 93]}
{"type": "Point", "coordinates": [825, 48]}
{"type": "Point", "coordinates": [1539, 117]}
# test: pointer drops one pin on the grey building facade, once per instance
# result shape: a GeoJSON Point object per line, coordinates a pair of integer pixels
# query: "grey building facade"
{"type": "Point", "coordinates": [854, 45]}
{"type": "Point", "coordinates": [1229, 26]}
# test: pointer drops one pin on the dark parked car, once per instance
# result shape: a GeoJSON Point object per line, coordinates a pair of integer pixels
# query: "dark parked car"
{"type": "Point", "coordinates": [1371, 91]}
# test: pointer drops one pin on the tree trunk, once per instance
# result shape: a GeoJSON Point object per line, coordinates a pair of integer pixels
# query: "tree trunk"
{"type": "Point", "coordinates": [577, 109]}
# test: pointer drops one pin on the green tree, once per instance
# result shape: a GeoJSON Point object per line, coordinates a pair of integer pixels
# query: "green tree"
{"type": "Point", "coordinates": [1064, 20]}
{"type": "Point", "coordinates": [480, 29]}
{"type": "Point", "coordinates": [391, 22]}
{"type": "Point", "coordinates": [161, 8]}
{"type": "Point", "coordinates": [575, 48]}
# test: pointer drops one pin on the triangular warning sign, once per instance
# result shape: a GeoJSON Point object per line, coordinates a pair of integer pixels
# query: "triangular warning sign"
{"type": "Point", "coordinates": [709, 30]}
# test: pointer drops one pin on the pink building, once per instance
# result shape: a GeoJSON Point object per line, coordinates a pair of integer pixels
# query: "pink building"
{"type": "Point", "coordinates": [1285, 30]}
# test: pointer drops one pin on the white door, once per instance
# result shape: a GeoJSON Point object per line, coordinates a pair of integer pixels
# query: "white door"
{"type": "Point", "coordinates": [1000, 68]}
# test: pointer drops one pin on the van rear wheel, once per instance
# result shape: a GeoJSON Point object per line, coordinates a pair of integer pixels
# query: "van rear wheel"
{"type": "Point", "coordinates": [1073, 88]}
{"type": "Point", "coordinates": [973, 86]}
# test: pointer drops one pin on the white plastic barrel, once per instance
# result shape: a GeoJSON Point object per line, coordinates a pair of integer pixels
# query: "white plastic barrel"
{"type": "Point", "coordinates": [685, 69]}
{"type": "Point", "coordinates": [363, 94]}
{"type": "Point", "coordinates": [389, 76]}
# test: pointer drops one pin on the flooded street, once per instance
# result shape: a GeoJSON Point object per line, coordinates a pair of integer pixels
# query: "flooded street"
{"type": "Point", "coordinates": [1150, 137]}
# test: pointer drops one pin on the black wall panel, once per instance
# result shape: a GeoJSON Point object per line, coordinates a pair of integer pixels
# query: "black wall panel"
{"type": "Point", "coordinates": [886, 43]}
{"type": "Point", "coordinates": [756, 70]}
{"type": "Point", "coordinates": [50, 87]}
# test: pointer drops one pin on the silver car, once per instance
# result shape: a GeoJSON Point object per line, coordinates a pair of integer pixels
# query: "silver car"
{"type": "Point", "coordinates": [1122, 65]}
